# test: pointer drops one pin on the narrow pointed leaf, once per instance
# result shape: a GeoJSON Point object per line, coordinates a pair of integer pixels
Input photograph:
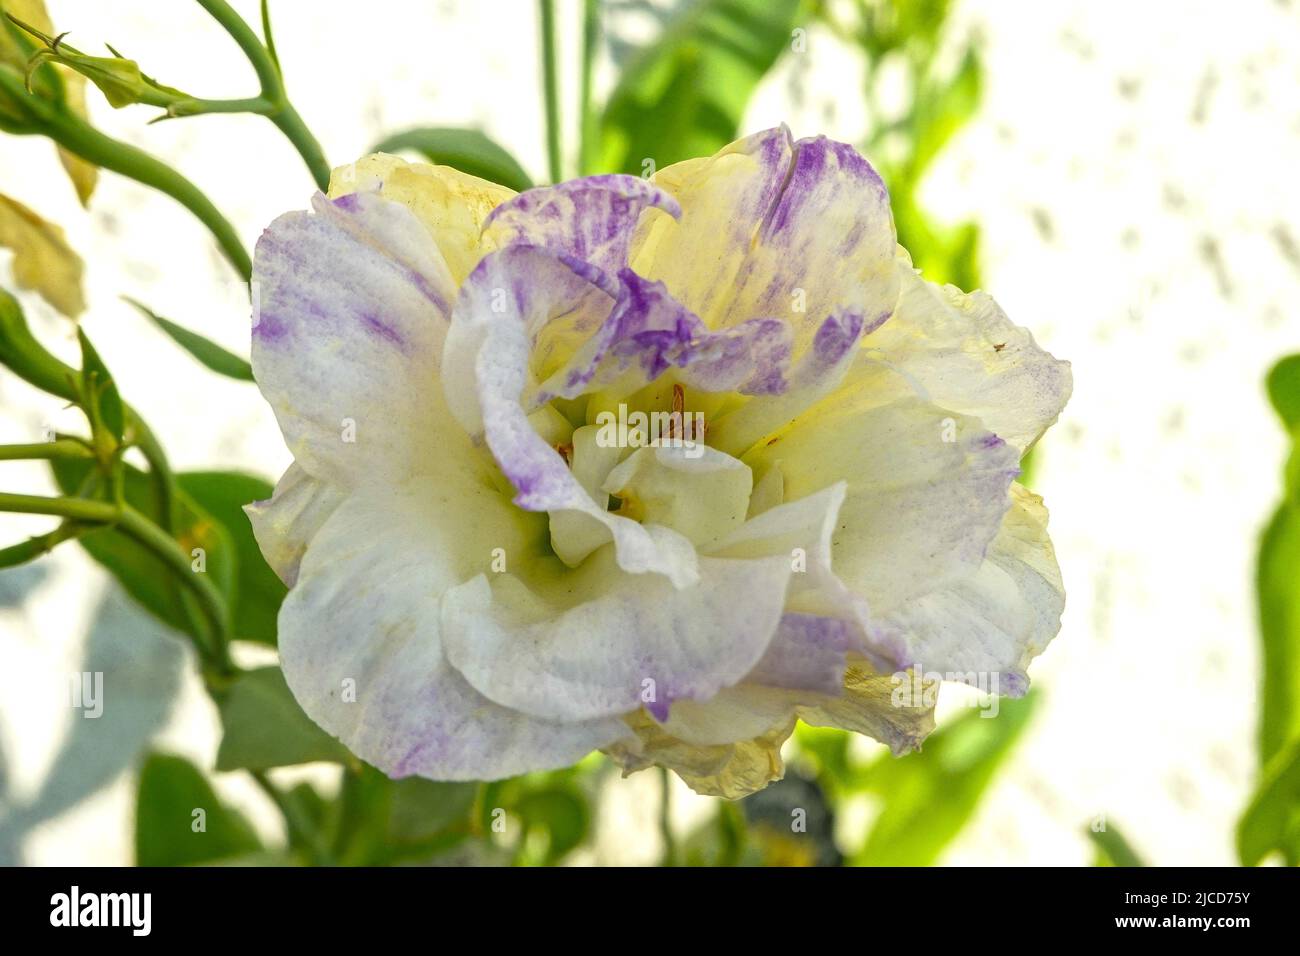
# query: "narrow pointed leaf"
{"type": "Point", "coordinates": [205, 350]}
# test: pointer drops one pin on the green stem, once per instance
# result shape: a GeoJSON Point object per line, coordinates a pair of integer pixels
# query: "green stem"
{"type": "Point", "coordinates": [265, 64]}
{"type": "Point", "coordinates": [267, 36]}
{"type": "Point", "coordinates": [165, 548]}
{"type": "Point", "coordinates": [300, 829]}
{"type": "Point", "coordinates": [586, 115]}
{"type": "Point", "coordinates": [143, 438]}
{"type": "Point", "coordinates": [155, 540]}
{"type": "Point", "coordinates": [665, 819]}
{"type": "Point", "coordinates": [195, 106]}
{"type": "Point", "coordinates": [288, 121]}
{"type": "Point", "coordinates": [62, 448]}
{"type": "Point", "coordinates": [551, 86]}
{"type": "Point", "coordinates": [77, 509]}
{"type": "Point", "coordinates": [87, 142]}
{"type": "Point", "coordinates": [41, 544]}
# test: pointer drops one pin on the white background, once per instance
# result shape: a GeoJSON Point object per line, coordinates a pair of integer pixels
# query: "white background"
{"type": "Point", "coordinates": [1133, 170]}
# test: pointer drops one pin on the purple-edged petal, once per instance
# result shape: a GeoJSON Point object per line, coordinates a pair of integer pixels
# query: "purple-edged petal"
{"type": "Point", "coordinates": [486, 373]}
{"type": "Point", "coordinates": [797, 230]}
{"type": "Point", "coordinates": [819, 372]}
{"type": "Point", "coordinates": [724, 200]}
{"type": "Point", "coordinates": [590, 219]}
{"type": "Point", "coordinates": [647, 333]}
{"type": "Point", "coordinates": [807, 653]}
{"type": "Point", "coordinates": [352, 308]}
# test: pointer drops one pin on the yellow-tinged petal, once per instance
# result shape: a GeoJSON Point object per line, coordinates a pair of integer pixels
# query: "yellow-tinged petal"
{"type": "Point", "coordinates": [43, 261]}
{"type": "Point", "coordinates": [451, 204]}
{"type": "Point", "coordinates": [724, 770]}
{"type": "Point", "coordinates": [730, 746]}
{"type": "Point", "coordinates": [883, 706]}
{"type": "Point", "coordinates": [697, 491]}
{"type": "Point", "coordinates": [773, 226]}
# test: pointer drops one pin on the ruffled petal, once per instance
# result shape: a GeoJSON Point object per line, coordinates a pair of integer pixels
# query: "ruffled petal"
{"type": "Point", "coordinates": [997, 619]}
{"type": "Point", "coordinates": [731, 770]}
{"type": "Point", "coordinates": [808, 653]}
{"type": "Point", "coordinates": [770, 227]}
{"type": "Point", "coordinates": [286, 522]}
{"type": "Point", "coordinates": [919, 509]}
{"type": "Point", "coordinates": [730, 746]}
{"type": "Point", "coordinates": [724, 200]}
{"type": "Point", "coordinates": [352, 312]}
{"type": "Point", "coordinates": [590, 219]}
{"type": "Point", "coordinates": [648, 333]}
{"type": "Point", "coordinates": [361, 646]}
{"type": "Point", "coordinates": [871, 705]}
{"type": "Point", "coordinates": [964, 354]}
{"type": "Point", "coordinates": [596, 641]}
{"type": "Point", "coordinates": [452, 205]}
{"type": "Point", "coordinates": [698, 491]}
{"type": "Point", "coordinates": [486, 373]}
{"type": "Point", "coordinates": [819, 371]}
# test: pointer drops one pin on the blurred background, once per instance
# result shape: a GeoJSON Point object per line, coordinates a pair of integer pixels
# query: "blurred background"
{"type": "Point", "coordinates": [1120, 176]}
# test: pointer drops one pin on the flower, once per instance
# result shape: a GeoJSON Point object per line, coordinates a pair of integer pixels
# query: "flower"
{"type": "Point", "coordinates": [486, 579]}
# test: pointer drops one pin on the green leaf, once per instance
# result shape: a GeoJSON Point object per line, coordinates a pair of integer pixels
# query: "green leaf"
{"type": "Point", "coordinates": [1112, 849]}
{"type": "Point", "coordinates": [27, 358]}
{"type": "Point", "coordinates": [147, 579]}
{"type": "Point", "coordinates": [944, 254]}
{"type": "Point", "coordinates": [263, 727]}
{"type": "Point", "coordinates": [206, 351]}
{"type": "Point", "coordinates": [361, 827]}
{"type": "Point", "coordinates": [167, 832]}
{"type": "Point", "coordinates": [1277, 583]}
{"type": "Point", "coordinates": [1272, 820]}
{"type": "Point", "coordinates": [310, 804]}
{"type": "Point", "coordinates": [209, 515]}
{"type": "Point", "coordinates": [940, 111]}
{"type": "Point", "coordinates": [722, 840]}
{"type": "Point", "coordinates": [98, 390]}
{"type": "Point", "coordinates": [928, 797]}
{"type": "Point", "coordinates": [381, 821]}
{"type": "Point", "coordinates": [258, 592]}
{"type": "Point", "coordinates": [561, 813]}
{"type": "Point", "coordinates": [685, 94]}
{"type": "Point", "coordinates": [828, 748]}
{"type": "Point", "coordinates": [423, 809]}
{"type": "Point", "coordinates": [468, 150]}
{"type": "Point", "coordinates": [1283, 385]}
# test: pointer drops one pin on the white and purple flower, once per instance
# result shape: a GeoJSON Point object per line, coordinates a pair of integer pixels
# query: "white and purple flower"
{"type": "Point", "coordinates": [507, 590]}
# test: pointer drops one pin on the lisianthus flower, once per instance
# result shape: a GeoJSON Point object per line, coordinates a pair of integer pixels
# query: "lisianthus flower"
{"type": "Point", "coordinates": [497, 563]}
